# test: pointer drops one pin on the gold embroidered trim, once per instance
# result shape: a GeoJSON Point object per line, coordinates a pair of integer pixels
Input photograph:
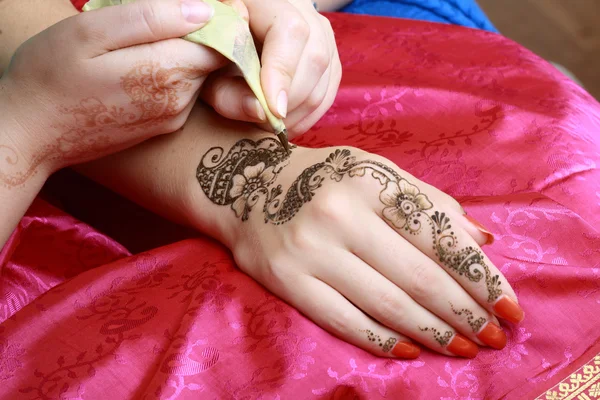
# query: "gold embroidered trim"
{"type": "Point", "coordinates": [583, 384]}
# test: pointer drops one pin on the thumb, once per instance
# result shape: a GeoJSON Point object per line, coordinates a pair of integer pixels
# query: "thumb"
{"type": "Point", "coordinates": [140, 22]}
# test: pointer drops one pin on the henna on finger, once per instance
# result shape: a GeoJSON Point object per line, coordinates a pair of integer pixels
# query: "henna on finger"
{"type": "Point", "coordinates": [397, 348]}
{"type": "Point", "coordinates": [455, 343]}
{"type": "Point", "coordinates": [441, 338]}
{"type": "Point", "coordinates": [475, 324]}
{"type": "Point", "coordinates": [248, 171]}
{"type": "Point", "coordinates": [486, 331]}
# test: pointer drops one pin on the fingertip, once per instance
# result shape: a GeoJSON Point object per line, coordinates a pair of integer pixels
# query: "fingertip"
{"type": "Point", "coordinates": [406, 350]}
{"type": "Point", "coordinates": [493, 335]}
{"type": "Point", "coordinates": [463, 347]}
{"type": "Point", "coordinates": [482, 235]}
{"type": "Point", "coordinates": [509, 310]}
{"type": "Point", "coordinates": [485, 235]}
{"type": "Point", "coordinates": [196, 11]}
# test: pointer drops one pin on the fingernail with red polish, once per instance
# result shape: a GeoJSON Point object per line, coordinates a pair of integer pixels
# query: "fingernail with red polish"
{"type": "Point", "coordinates": [406, 350]}
{"type": "Point", "coordinates": [489, 235]}
{"type": "Point", "coordinates": [461, 346]}
{"type": "Point", "coordinates": [196, 11]}
{"type": "Point", "coordinates": [493, 336]}
{"type": "Point", "coordinates": [508, 309]}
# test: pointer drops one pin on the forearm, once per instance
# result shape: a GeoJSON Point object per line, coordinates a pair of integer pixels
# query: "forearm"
{"type": "Point", "coordinates": [160, 174]}
{"type": "Point", "coordinates": [19, 184]}
{"type": "Point", "coordinates": [20, 20]}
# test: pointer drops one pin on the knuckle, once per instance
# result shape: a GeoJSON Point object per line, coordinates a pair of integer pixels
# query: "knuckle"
{"type": "Point", "coordinates": [298, 27]}
{"type": "Point", "coordinates": [80, 30]}
{"type": "Point", "coordinates": [421, 282]}
{"type": "Point", "coordinates": [300, 239]}
{"type": "Point", "coordinates": [339, 323]}
{"type": "Point", "coordinates": [280, 67]}
{"type": "Point", "coordinates": [320, 61]}
{"type": "Point", "coordinates": [390, 310]}
{"type": "Point", "coordinates": [87, 32]}
{"type": "Point", "coordinates": [325, 22]}
{"type": "Point", "coordinates": [274, 273]}
{"type": "Point", "coordinates": [314, 101]}
{"type": "Point", "coordinates": [149, 19]}
{"type": "Point", "coordinates": [330, 207]}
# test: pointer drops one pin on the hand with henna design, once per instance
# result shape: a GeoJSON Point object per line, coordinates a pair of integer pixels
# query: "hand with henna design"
{"type": "Point", "coordinates": [124, 77]}
{"type": "Point", "coordinates": [364, 249]}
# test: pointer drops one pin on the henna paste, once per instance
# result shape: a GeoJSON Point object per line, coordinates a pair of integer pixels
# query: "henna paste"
{"type": "Point", "coordinates": [248, 171]}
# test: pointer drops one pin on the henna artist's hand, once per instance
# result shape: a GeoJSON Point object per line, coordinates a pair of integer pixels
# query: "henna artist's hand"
{"type": "Point", "coordinates": [364, 249]}
{"type": "Point", "coordinates": [96, 83]}
{"type": "Point", "coordinates": [301, 69]}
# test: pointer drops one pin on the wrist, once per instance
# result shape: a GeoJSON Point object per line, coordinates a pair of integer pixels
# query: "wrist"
{"type": "Point", "coordinates": [21, 147]}
{"type": "Point", "coordinates": [20, 178]}
{"type": "Point", "coordinates": [232, 180]}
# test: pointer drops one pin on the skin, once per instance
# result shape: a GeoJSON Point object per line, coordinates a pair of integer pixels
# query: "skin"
{"type": "Point", "coordinates": [299, 57]}
{"type": "Point", "coordinates": [310, 253]}
{"type": "Point", "coordinates": [301, 69]}
{"type": "Point", "coordinates": [146, 89]}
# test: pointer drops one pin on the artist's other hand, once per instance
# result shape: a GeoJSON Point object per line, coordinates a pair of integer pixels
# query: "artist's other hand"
{"type": "Point", "coordinates": [96, 83]}
{"type": "Point", "coordinates": [301, 69]}
{"type": "Point", "coordinates": [364, 249]}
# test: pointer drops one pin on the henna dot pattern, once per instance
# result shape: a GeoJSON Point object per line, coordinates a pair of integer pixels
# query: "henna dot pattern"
{"type": "Point", "coordinates": [442, 339]}
{"type": "Point", "coordinates": [385, 346]}
{"type": "Point", "coordinates": [475, 324]}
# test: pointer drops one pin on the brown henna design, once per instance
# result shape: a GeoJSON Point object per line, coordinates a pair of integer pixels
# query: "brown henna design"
{"type": "Point", "coordinates": [154, 93]}
{"type": "Point", "coordinates": [385, 346]}
{"type": "Point", "coordinates": [442, 339]}
{"type": "Point", "coordinates": [475, 324]}
{"type": "Point", "coordinates": [247, 173]}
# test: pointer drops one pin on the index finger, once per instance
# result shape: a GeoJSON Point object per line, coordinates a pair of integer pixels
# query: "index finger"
{"type": "Point", "coordinates": [284, 32]}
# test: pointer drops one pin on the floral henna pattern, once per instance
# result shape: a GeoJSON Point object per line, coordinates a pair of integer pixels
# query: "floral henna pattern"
{"type": "Point", "coordinates": [154, 96]}
{"type": "Point", "coordinates": [475, 324]}
{"type": "Point", "coordinates": [247, 174]}
{"type": "Point", "coordinates": [385, 346]}
{"type": "Point", "coordinates": [442, 339]}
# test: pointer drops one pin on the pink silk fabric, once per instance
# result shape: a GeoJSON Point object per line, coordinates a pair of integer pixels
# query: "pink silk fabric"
{"type": "Point", "coordinates": [468, 111]}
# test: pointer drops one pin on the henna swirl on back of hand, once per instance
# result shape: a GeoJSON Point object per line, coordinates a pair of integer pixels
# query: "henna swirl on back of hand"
{"type": "Point", "coordinates": [248, 171]}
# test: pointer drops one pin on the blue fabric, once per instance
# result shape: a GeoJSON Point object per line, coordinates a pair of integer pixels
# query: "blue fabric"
{"type": "Point", "coordinates": [458, 12]}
